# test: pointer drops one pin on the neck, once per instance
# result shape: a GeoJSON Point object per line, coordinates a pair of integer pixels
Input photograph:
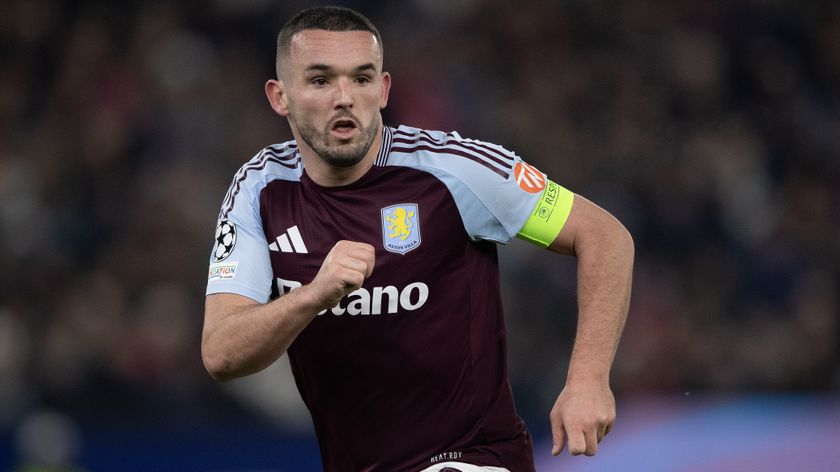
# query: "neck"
{"type": "Point", "coordinates": [327, 175]}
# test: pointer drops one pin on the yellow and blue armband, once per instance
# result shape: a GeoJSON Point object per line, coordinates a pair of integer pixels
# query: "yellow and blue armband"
{"type": "Point", "coordinates": [549, 215]}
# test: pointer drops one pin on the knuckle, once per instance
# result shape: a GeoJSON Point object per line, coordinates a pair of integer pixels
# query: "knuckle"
{"type": "Point", "coordinates": [356, 279]}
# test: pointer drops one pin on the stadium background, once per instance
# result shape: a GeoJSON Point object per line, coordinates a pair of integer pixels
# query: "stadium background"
{"type": "Point", "coordinates": [710, 128]}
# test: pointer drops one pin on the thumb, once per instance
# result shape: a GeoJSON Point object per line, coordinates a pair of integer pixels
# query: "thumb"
{"type": "Point", "coordinates": [558, 437]}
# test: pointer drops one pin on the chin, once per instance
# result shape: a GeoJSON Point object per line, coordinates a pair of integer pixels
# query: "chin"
{"type": "Point", "coordinates": [335, 157]}
{"type": "Point", "coordinates": [342, 161]}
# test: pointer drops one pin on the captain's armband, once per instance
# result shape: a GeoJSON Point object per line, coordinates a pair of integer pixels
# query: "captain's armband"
{"type": "Point", "coordinates": [549, 215]}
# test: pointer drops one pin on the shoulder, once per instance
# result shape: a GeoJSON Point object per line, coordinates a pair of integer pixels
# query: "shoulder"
{"type": "Point", "coordinates": [483, 178]}
{"type": "Point", "coordinates": [275, 162]}
{"type": "Point", "coordinates": [449, 152]}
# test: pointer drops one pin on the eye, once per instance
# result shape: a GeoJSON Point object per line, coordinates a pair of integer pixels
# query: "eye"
{"type": "Point", "coordinates": [363, 80]}
{"type": "Point", "coordinates": [318, 81]}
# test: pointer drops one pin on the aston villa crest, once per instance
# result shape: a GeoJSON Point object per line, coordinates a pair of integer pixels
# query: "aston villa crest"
{"type": "Point", "coordinates": [401, 227]}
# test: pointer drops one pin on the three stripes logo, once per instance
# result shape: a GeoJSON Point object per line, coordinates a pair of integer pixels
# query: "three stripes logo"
{"type": "Point", "coordinates": [528, 178]}
{"type": "Point", "coordinates": [290, 241]}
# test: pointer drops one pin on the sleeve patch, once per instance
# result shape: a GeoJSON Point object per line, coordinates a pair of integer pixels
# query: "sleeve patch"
{"type": "Point", "coordinates": [222, 271]}
{"type": "Point", "coordinates": [225, 240]}
{"type": "Point", "coordinates": [529, 178]}
{"type": "Point", "coordinates": [549, 215]}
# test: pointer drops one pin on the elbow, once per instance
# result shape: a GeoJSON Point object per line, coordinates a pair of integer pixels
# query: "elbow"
{"type": "Point", "coordinates": [626, 242]}
{"type": "Point", "coordinates": [222, 368]}
{"type": "Point", "coordinates": [219, 368]}
{"type": "Point", "coordinates": [617, 239]}
{"type": "Point", "coordinates": [626, 248]}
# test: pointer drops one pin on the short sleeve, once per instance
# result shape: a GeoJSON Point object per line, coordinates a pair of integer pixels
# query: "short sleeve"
{"type": "Point", "coordinates": [496, 210]}
{"type": "Point", "coordinates": [240, 261]}
{"type": "Point", "coordinates": [494, 189]}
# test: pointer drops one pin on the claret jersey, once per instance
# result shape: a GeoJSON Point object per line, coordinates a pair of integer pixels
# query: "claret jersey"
{"type": "Point", "coordinates": [410, 369]}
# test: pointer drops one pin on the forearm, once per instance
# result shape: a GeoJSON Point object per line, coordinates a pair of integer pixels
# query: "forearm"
{"type": "Point", "coordinates": [242, 337]}
{"type": "Point", "coordinates": [605, 265]}
{"type": "Point", "coordinates": [247, 338]}
{"type": "Point", "coordinates": [585, 410]}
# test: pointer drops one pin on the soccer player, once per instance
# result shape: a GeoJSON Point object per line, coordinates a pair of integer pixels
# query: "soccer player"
{"type": "Point", "coordinates": [368, 253]}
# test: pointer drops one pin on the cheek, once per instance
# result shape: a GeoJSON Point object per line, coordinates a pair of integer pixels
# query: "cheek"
{"type": "Point", "coordinates": [307, 101]}
{"type": "Point", "coordinates": [303, 110]}
{"type": "Point", "coordinates": [372, 101]}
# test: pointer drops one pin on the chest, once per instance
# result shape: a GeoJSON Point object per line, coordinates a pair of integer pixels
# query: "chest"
{"type": "Point", "coordinates": [409, 217]}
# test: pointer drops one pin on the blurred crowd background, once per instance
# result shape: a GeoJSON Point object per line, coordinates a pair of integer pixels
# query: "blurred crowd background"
{"type": "Point", "coordinates": [710, 128]}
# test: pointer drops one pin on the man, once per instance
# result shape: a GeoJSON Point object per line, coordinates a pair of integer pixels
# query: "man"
{"type": "Point", "coordinates": [376, 247]}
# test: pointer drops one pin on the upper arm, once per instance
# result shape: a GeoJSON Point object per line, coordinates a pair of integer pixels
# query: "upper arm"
{"type": "Point", "coordinates": [220, 306]}
{"type": "Point", "coordinates": [585, 220]}
{"type": "Point", "coordinates": [240, 262]}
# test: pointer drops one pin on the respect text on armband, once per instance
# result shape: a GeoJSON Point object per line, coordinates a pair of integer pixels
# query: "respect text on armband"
{"type": "Point", "coordinates": [376, 301]}
{"type": "Point", "coordinates": [548, 202]}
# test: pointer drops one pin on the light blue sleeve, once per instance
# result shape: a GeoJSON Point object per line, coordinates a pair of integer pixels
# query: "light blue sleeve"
{"type": "Point", "coordinates": [240, 261]}
{"type": "Point", "coordinates": [494, 189]}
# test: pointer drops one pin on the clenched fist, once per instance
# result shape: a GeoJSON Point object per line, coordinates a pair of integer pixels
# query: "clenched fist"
{"type": "Point", "coordinates": [344, 270]}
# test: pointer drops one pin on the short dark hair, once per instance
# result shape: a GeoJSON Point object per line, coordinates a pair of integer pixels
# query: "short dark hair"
{"type": "Point", "coordinates": [328, 18]}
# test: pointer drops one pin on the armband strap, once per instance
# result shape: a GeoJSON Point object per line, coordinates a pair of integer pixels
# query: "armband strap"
{"type": "Point", "coordinates": [549, 215]}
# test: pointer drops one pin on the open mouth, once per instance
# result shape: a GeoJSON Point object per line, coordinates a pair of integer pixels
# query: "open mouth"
{"type": "Point", "coordinates": [344, 126]}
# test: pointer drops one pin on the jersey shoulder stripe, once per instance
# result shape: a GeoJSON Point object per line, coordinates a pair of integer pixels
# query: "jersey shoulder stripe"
{"type": "Point", "coordinates": [277, 156]}
{"type": "Point", "coordinates": [408, 140]}
{"type": "Point", "coordinates": [495, 153]}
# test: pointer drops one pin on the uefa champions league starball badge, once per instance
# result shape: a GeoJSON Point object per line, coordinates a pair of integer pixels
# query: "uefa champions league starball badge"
{"type": "Point", "coordinates": [225, 240]}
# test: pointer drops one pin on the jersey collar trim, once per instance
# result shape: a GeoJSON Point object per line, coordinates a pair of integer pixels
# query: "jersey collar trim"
{"type": "Point", "coordinates": [385, 149]}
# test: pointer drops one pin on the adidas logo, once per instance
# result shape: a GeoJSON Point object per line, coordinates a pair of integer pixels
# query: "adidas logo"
{"type": "Point", "coordinates": [290, 241]}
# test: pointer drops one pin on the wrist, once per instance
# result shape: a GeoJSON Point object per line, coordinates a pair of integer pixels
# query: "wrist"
{"type": "Point", "coordinates": [587, 375]}
{"type": "Point", "coordinates": [309, 301]}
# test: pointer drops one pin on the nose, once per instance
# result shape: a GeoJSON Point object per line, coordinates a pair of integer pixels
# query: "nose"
{"type": "Point", "coordinates": [344, 97]}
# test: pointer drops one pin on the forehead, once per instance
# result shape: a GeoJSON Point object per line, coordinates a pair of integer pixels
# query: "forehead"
{"type": "Point", "coordinates": [334, 48]}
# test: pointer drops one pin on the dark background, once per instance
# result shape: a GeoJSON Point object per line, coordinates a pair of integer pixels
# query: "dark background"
{"type": "Point", "coordinates": [710, 128]}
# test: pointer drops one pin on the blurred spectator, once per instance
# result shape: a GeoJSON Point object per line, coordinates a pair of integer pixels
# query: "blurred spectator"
{"type": "Point", "coordinates": [48, 442]}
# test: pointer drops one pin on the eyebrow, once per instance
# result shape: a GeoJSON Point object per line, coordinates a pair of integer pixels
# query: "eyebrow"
{"type": "Point", "coordinates": [325, 67]}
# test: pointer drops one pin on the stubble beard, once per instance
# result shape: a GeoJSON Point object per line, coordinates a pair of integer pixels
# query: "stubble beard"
{"type": "Point", "coordinates": [338, 155]}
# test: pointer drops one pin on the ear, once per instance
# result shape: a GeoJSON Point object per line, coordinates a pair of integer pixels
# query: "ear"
{"type": "Point", "coordinates": [386, 88]}
{"type": "Point", "coordinates": [275, 91]}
